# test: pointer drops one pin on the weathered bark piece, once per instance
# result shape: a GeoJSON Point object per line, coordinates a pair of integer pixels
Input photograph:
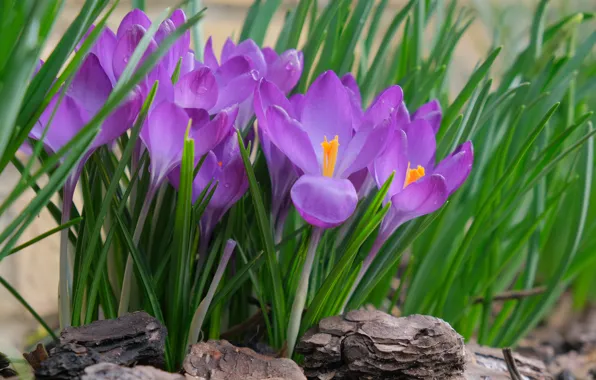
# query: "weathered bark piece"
{"type": "Point", "coordinates": [109, 371]}
{"type": "Point", "coordinates": [35, 357]}
{"type": "Point", "coordinates": [135, 338]}
{"type": "Point", "coordinates": [485, 363]}
{"type": "Point", "coordinates": [219, 360]}
{"type": "Point", "coordinates": [374, 345]}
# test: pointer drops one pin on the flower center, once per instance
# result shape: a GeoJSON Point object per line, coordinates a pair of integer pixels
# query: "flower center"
{"type": "Point", "coordinates": [329, 155]}
{"type": "Point", "coordinates": [413, 175]}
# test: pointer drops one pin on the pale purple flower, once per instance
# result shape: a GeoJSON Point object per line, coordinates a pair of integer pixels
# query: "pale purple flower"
{"type": "Point", "coordinates": [321, 142]}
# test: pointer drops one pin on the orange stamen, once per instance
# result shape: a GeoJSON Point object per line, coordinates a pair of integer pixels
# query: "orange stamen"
{"type": "Point", "coordinates": [330, 149]}
{"type": "Point", "coordinates": [413, 175]}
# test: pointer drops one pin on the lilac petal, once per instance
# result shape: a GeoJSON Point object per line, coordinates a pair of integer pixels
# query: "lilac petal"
{"type": "Point", "coordinates": [393, 158]}
{"type": "Point", "coordinates": [297, 102]}
{"type": "Point", "coordinates": [358, 178]}
{"type": "Point", "coordinates": [285, 72]}
{"type": "Point", "coordinates": [236, 83]}
{"type": "Point", "coordinates": [165, 90]}
{"type": "Point", "coordinates": [209, 56]}
{"type": "Point", "coordinates": [266, 95]}
{"type": "Point", "coordinates": [457, 166]}
{"type": "Point", "coordinates": [323, 201]}
{"type": "Point", "coordinates": [164, 137]}
{"type": "Point", "coordinates": [251, 52]}
{"type": "Point", "coordinates": [205, 174]}
{"type": "Point", "coordinates": [422, 145]}
{"type": "Point", "coordinates": [228, 50]}
{"type": "Point", "coordinates": [90, 86]}
{"type": "Point", "coordinates": [349, 82]}
{"type": "Point", "coordinates": [127, 43]}
{"type": "Point", "coordinates": [231, 69]}
{"type": "Point", "coordinates": [188, 63]}
{"type": "Point", "coordinates": [364, 148]}
{"type": "Point", "coordinates": [67, 122]}
{"type": "Point", "coordinates": [288, 135]}
{"type": "Point", "coordinates": [270, 55]}
{"type": "Point", "coordinates": [327, 113]}
{"type": "Point", "coordinates": [430, 112]}
{"type": "Point", "coordinates": [197, 89]}
{"type": "Point", "coordinates": [401, 116]}
{"type": "Point", "coordinates": [134, 17]}
{"type": "Point", "coordinates": [104, 49]}
{"type": "Point", "coordinates": [121, 120]}
{"type": "Point", "coordinates": [208, 136]}
{"type": "Point", "coordinates": [420, 198]}
{"type": "Point", "coordinates": [232, 184]}
{"type": "Point", "coordinates": [199, 117]}
{"type": "Point", "coordinates": [384, 106]}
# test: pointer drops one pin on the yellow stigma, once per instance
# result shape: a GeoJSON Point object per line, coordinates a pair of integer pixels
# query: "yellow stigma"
{"type": "Point", "coordinates": [413, 175]}
{"type": "Point", "coordinates": [329, 155]}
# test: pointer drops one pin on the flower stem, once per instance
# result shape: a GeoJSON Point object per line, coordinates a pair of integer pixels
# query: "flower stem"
{"type": "Point", "coordinates": [64, 287]}
{"type": "Point", "coordinates": [301, 292]}
{"type": "Point", "coordinates": [128, 271]}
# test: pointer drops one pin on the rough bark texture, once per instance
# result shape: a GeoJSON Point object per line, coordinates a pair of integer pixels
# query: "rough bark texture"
{"type": "Point", "coordinates": [135, 338]}
{"type": "Point", "coordinates": [109, 371]}
{"type": "Point", "coordinates": [375, 345]}
{"type": "Point", "coordinates": [485, 363]}
{"type": "Point", "coordinates": [219, 360]}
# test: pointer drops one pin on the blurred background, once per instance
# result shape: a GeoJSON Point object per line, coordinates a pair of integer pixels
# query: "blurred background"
{"type": "Point", "coordinates": [34, 271]}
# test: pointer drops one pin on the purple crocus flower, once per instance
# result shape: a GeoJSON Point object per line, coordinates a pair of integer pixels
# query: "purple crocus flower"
{"type": "Point", "coordinates": [321, 142]}
{"type": "Point", "coordinates": [242, 66]}
{"type": "Point", "coordinates": [223, 165]}
{"type": "Point", "coordinates": [419, 187]}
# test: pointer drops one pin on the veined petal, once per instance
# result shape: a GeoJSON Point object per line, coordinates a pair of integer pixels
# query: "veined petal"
{"type": "Point", "coordinates": [457, 166]}
{"type": "Point", "coordinates": [430, 112]}
{"type": "Point", "coordinates": [164, 137]}
{"type": "Point", "coordinates": [323, 201]}
{"type": "Point", "coordinates": [209, 56]}
{"type": "Point", "coordinates": [288, 135]}
{"type": "Point", "coordinates": [422, 144]}
{"type": "Point", "coordinates": [384, 106]}
{"type": "Point", "coordinates": [285, 72]}
{"type": "Point", "coordinates": [420, 198]}
{"type": "Point", "coordinates": [134, 17]}
{"type": "Point", "coordinates": [266, 95]}
{"type": "Point", "coordinates": [364, 147]}
{"type": "Point", "coordinates": [121, 120]}
{"type": "Point", "coordinates": [197, 89]}
{"type": "Point", "coordinates": [393, 158]}
{"type": "Point", "coordinates": [208, 136]}
{"type": "Point", "coordinates": [91, 85]}
{"type": "Point", "coordinates": [349, 82]}
{"type": "Point", "coordinates": [327, 112]}
{"type": "Point", "coordinates": [127, 43]}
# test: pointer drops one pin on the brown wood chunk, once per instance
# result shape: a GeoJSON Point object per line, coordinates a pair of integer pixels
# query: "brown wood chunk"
{"type": "Point", "coordinates": [109, 371]}
{"type": "Point", "coordinates": [375, 345]}
{"type": "Point", "coordinates": [135, 338]}
{"type": "Point", "coordinates": [219, 360]}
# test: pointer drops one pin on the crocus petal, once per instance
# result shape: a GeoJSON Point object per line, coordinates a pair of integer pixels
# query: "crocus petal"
{"type": "Point", "coordinates": [91, 85]}
{"type": "Point", "coordinates": [134, 17]}
{"type": "Point", "coordinates": [209, 56]}
{"type": "Point", "coordinates": [104, 49]}
{"type": "Point", "coordinates": [422, 145]}
{"type": "Point", "coordinates": [324, 201]}
{"type": "Point", "coordinates": [266, 95]}
{"type": "Point", "coordinates": [197, 89]}
{"type": "Point", "coordinates": [285, 72]}
{"type": "Point", "coordinates": [68, 120]}
{"type": "Point", "coordinates": [383, 107]}
{"type": "Point", "coordinates": [250, 51]}
{"type": "Point", "coordinates": [127, 43]}
{"type": "Point", "coordinates": [270, 55]}
{"type": "Point", "coordinates": [188, 63]}
{"type": "Point", "coordinates": [231, 69]}
{"type": "Point", "coordinates": [297, 102]}
{"type": "Point", "coordinates": [121, 120]}
{"type": "Point", "coordinates": [164, 137]}
{"type": "Point", "coordinates": [232, 185]}
{"type": "Point", "coordinates": [457, 166]}
{"type": "Point", "coordinates": [288, 135]}
{"type": "Point", "coordinates": [236, 83]}
{"type": "Point", "coordinates": [349, 82]}
{"type": "Point", "coordinates": [401, 116]}
{"type": "Point", "coordinates": [213, 132]}
{"type": "Point", "coordinates": [430, 112]}
{"type": "Point", "coordinates": [364, 148]}
{"type": "Point", "coordinates": [393, 158]}
{"type": "Point", "coordinates": [421, 197]}
{"type": "Point", "coordinates": [327, 113]}
{"type": "Point", "coordinates": [228, 50]}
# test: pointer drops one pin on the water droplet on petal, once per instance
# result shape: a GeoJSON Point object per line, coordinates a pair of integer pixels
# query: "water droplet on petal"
{"type": "Point", "coordinates": [255, 74]}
